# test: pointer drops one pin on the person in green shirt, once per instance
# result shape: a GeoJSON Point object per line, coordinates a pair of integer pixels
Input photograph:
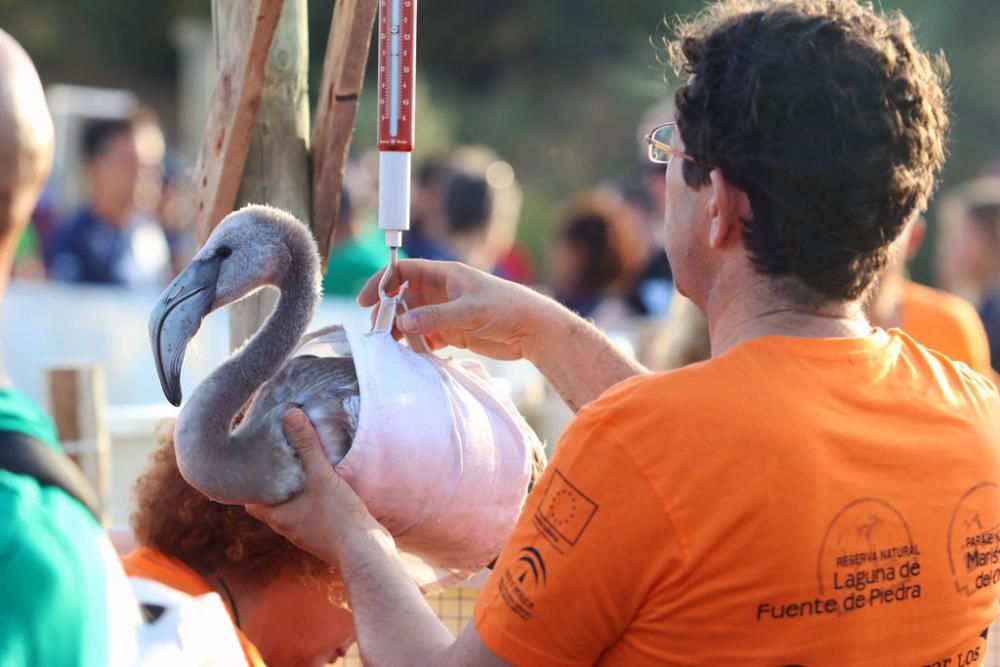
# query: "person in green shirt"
{"type": "Point", "coordinates": [64, 600]}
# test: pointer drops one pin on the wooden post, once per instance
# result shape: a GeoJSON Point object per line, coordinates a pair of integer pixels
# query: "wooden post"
{"type": "Point", "coordinates": [276, 170]}
{"type": "Point", "coordinates": [233, 105]}
{"type": "Point", "coordinates": [336, 110]}
{"type": "Point", "coordinates": [76, 402]}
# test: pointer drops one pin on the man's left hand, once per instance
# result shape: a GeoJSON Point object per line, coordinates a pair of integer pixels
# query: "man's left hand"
{"type": "Point", "coordinates": [328, 513]}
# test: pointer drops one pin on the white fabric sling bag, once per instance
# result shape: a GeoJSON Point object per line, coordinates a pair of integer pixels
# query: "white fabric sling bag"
{"type": "Point", "coordinates": [441, 456]}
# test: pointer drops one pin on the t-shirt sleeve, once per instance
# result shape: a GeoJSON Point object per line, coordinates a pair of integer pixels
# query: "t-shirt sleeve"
{"type": "Point", "coordinates": [591, 545]}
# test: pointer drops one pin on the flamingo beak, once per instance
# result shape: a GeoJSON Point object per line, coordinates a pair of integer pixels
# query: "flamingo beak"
{"type": "Point", "coordinates": [176, 318]}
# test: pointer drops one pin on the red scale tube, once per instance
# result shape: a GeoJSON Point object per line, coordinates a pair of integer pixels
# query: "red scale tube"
{"type": "Point", "coordinates": [397, 38]}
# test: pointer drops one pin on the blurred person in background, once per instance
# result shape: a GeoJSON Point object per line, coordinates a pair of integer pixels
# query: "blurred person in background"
{"type": "Point", "coordinates": [654, 287]}
{"type": "Point", "coordinates": [935, 319]}
{"type": "Point", "coordinates": [595, 258]}
{"type": "Point", "coordinates": [466, 208]}
{"type": "Point", "coordinates": [966, 261]}
{"type": "Point", "coordinates": [113, 238]}
{"type": "Point", "coordinates": [287, 607]}
{"type": "Point", "coordinates": [508, 258]}
{"type": "Point", "coordinates": [64, 599]}
{"type": "Point", "coordinates": [968, 257]}
{"type": "Point", "coordinates": [425, 240]}
{"type": "Point", "coordinates": [481, 208]}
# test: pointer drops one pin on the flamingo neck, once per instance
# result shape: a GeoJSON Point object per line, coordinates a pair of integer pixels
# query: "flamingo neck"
{"type": "Point", "coordinates": [203, 434]}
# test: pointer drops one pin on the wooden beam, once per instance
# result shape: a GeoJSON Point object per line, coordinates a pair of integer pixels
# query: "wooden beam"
{"type": "Point", "coordinates": [232, 108]}
{"type": "Point", "coordinates": [336, 110]}
{"type": "Point", "coordinates": [277, 164]}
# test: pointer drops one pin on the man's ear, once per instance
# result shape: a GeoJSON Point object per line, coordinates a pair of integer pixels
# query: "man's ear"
{"type": "Point", "coordinates": [728, 206]}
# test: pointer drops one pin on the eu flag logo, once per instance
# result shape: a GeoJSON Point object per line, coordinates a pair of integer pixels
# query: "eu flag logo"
{"type": "Point", "coordinates": [565, 509]}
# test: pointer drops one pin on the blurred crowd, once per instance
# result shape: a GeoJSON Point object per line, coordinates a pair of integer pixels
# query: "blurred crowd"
{"type": "Point", "coordinates": [602, 257]}
{"type": "Point", "coordinates": [131, 229]}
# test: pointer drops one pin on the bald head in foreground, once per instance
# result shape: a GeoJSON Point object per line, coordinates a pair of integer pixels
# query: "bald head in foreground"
{"type": "Point", "coordinates": [26, 144]}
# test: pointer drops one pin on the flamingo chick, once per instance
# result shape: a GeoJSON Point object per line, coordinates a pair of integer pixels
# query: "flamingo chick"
{"type": "Point", "coordinates": [251, 248]}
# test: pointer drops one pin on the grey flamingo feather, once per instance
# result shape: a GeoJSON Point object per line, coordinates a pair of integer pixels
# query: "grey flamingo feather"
{"type": "Point", "coordinates": [253, 462]}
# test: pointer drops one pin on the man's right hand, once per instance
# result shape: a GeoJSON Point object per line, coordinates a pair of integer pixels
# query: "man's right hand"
{"type": "Point", "coordinates": [454, 304]}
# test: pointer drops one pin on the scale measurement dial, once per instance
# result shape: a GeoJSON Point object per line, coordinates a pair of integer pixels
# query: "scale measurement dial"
{"type": "Point", "coordinates": [396, 72]}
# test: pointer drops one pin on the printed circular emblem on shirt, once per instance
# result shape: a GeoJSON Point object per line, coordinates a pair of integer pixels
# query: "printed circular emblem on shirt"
{"type": "Point", "coordinates": [867, 559]}
{"type": "Point", "coordinates": [974, 539]}
{"type": "Point", "coordinates": [562, 508]}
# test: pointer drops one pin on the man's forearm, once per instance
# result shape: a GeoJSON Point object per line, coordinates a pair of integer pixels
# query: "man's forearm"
{"type": "Point", "coordinates": [577, 359]}
{"type": "Point", "coordinates": [394, 623]}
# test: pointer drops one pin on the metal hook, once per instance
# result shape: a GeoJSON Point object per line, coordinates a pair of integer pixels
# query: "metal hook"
{"type": "Point", "coordinates": [389, 273]}
{"type": "Point", "coordinates": [388, 305]}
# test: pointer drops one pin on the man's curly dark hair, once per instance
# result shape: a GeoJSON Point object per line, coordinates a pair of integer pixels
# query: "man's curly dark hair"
{"type": "Point", "coordinates": [831, 120]}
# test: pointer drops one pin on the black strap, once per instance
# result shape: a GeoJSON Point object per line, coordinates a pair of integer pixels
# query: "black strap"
{"type": "Point", "coordinates": [23, 455]}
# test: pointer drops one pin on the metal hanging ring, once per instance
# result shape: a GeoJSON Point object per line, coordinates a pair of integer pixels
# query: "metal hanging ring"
{"type": "Point", "coordinates": [390, 271]}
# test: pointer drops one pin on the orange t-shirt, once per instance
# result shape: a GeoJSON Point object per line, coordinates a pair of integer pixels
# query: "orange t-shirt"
{"type": "Point", "coordinates": [150, 564]}
{"type": "Point", "coordinates": [946, 323]}
{"type": "Point", "coordinates": [793, 501]}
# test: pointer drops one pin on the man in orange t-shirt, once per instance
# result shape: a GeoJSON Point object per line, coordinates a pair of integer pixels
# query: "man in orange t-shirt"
{"type": "Point", "coordinates": [745, 522]}
{"type": "Point", "coordinates": [936, 319]}
{"type": "Point", "coordinates": [819, 492]}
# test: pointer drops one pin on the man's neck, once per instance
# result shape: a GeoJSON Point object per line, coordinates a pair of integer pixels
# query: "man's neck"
{"type": "Point", "coordinates": [761, 309]}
